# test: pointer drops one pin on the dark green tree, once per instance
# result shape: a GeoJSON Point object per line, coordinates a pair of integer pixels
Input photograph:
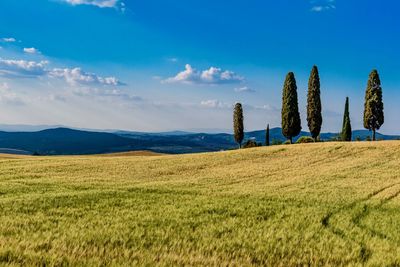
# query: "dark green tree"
{"type": "Point", "coordinates": [346, 129]}
{"type": "Point", "coordinates": [314, 108]}
{"type": "Point", "coordinates": [346, 112]}
{"type": "Point", "coordinates": [238, 127]}
{"type": "Point", "coordinates": [267, 143]}
{"type": "Point", "coordinates": [291, 123]}
{"type": "Point", "coordinates": [373, 107]}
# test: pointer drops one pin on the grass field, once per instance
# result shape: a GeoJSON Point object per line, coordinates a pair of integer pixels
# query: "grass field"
{"type": "Point", "coordinates": [317, 204]}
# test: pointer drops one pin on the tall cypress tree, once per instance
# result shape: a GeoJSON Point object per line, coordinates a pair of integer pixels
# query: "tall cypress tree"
{"type": "Point", "coordinates": [238, 127]}
{"type": "Point", "coordinates": [314, 108]}
{"type": "Point", "coordinates": [346, 112]}
{"type": "Point", "coordinates": [267, 143]}
{"type": "Point", "coordinates": [373, 107]}
{"type": "Point", "coordinates": [346, 129]}
{"type": "Point", "coordinates": [291, 123]}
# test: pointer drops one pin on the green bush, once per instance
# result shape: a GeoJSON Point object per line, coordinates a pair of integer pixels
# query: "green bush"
{"type": "Point", "coordinates": [276, 142]}
{"type": "Point", "coordinates": [304, 140]}
{"type": "Point", "coordinates": [250, 144]}
{"type": "Point", "coordinates": [336, 138]}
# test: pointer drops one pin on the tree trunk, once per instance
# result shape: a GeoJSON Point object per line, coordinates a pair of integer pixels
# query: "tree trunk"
{"type": "Point", "coordinates": [373, 135]}
{"type": "Point", "coordinates": [315, 139]}
{"type": "Point", "coordinates": [291, 140]}
{"type": "Point", "coordinates": [240, 145]}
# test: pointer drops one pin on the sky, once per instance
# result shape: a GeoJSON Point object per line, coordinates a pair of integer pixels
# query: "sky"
{"type": "Point", "coordinates": [162, 65]}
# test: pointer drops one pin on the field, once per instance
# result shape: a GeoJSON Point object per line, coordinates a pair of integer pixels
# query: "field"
{"type": "Point", "coordinates": [314, 204]}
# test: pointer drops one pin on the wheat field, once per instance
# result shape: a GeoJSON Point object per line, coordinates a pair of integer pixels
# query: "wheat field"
{"type": "Point", "coordinates": [311, 204]}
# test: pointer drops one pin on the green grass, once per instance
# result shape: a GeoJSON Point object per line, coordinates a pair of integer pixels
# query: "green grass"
{"type": "Point", "coordinates": [311, 204]}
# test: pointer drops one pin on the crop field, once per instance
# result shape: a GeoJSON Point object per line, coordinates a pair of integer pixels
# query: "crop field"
{"type": "Point", "coordinates": [311, 204]}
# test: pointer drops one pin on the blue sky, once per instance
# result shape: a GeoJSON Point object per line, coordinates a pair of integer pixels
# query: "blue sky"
{"type": "Point", "coordinates": [159, 65]}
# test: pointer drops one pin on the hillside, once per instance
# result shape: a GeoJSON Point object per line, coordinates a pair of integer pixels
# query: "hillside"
{"type": "Point", "coordinates": [64, 141]}
{"type": "Point", "coordinates": [318, 204]}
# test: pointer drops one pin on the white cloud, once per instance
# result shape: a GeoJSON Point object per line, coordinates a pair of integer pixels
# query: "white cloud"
{"type": "Point", "coordinates": [33, 69]}
{"type": "Point", "coordinates": [173, 59]}
{"type": "Point", "coordinates": [323, 5]}
{"type": "Point", "coordinates": [263, 107]}
{"type": "Point", "coordinates": [4, 86]}
{"type": "Point", "coordinates": [31, 50]}
{"type": "Point", "coordinates": [9, 40]}
{"type": "Point", "coordinates": [214, 103]}
{"type": "Point", "coordinates": [98, 3]}
{"type": "Point", "coordinates": [9, 97]}
{"type": "Point", "coordinates": [78, 76]}
{"type": "Point", "coordinates": [212, 75]}
{"type": "Point", "coordinates": [87, 91]}
{"type": "Point", "coordinates": [22, 68]}
{"type": "Point", "coordinates": [218, 104]}
{"type": "Point", "coordinates": [244, 89]}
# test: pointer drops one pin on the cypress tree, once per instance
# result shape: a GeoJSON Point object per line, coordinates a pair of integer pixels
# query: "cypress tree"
{"type": "Point", "coordinates": [346, 129]}
{"type": "Point", "coordinates": [346, 112]}
{"type": "Point", "coordinates": [373, 107]}
{"type": "Point", "coordinates": [238, 127]}
{"type": "Point", "coordinates": [314, 109]}
{"type": "Point", "coordinates": [291, 123]}
{"type": "Point", "coordinates": [267, 143]}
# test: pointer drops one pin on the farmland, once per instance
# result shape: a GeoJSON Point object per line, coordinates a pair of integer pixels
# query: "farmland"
{"type": "Point", "coordinates": [318, 204]}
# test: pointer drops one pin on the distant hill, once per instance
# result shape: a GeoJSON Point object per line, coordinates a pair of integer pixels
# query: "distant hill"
{"type": "Point", "coordinates": [65, 141]}
{"type": "Point", "coordinates": [276, 133]}
{"type": "Point", "coordinates": [26, 128]}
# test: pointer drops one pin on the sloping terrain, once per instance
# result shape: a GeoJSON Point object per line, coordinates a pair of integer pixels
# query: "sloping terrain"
{"type": "Point", "coordinates": [314, 204]}
{"type": "Point", "coordinates": [64, 141]}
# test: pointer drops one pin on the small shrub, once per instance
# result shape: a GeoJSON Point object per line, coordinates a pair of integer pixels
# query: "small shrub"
{"type": "Point", "coordinates": [336, 138]}
{"type": "Point", "coordinates": [276, 142]}
{"type": "Point", "coordinates": [358, 138]}
{"type": "Point", "coordinates": [304, 140]}
{"type": "Point", "coordinates": [287, 142]}
{"type": "Point", "coordinates": [250, 144]}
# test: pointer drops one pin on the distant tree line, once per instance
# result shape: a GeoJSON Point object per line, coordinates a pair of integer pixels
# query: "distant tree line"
{"type": "Point", "coordinates": [290, 116]}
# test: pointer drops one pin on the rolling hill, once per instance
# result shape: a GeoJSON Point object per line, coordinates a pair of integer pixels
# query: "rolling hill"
{"type": "Point", "coordinates": [64, 141]}
{"type": "Point", "coordinates": [334, 204]}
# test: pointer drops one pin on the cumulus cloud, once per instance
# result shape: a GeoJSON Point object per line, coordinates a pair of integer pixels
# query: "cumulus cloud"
{"type": "Point", "coordinates": [32, 69]}
{"type": "Point", "coordinates": [244, 89]}
{"type": "Point", "coordinates": [98, 3]}
{"type": "Point", "coordinates": [322, 5]}
{"type": "Point", "coordinates": [22, 68]}
{"type": "Point", "coordinates": [78, 76]}
{"type": "Point", "coordinates": [212, 76]}
{"type": "Point", "coordinates": [9, 40]}
{"type": "Point", "coordinates": [31, 50]}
